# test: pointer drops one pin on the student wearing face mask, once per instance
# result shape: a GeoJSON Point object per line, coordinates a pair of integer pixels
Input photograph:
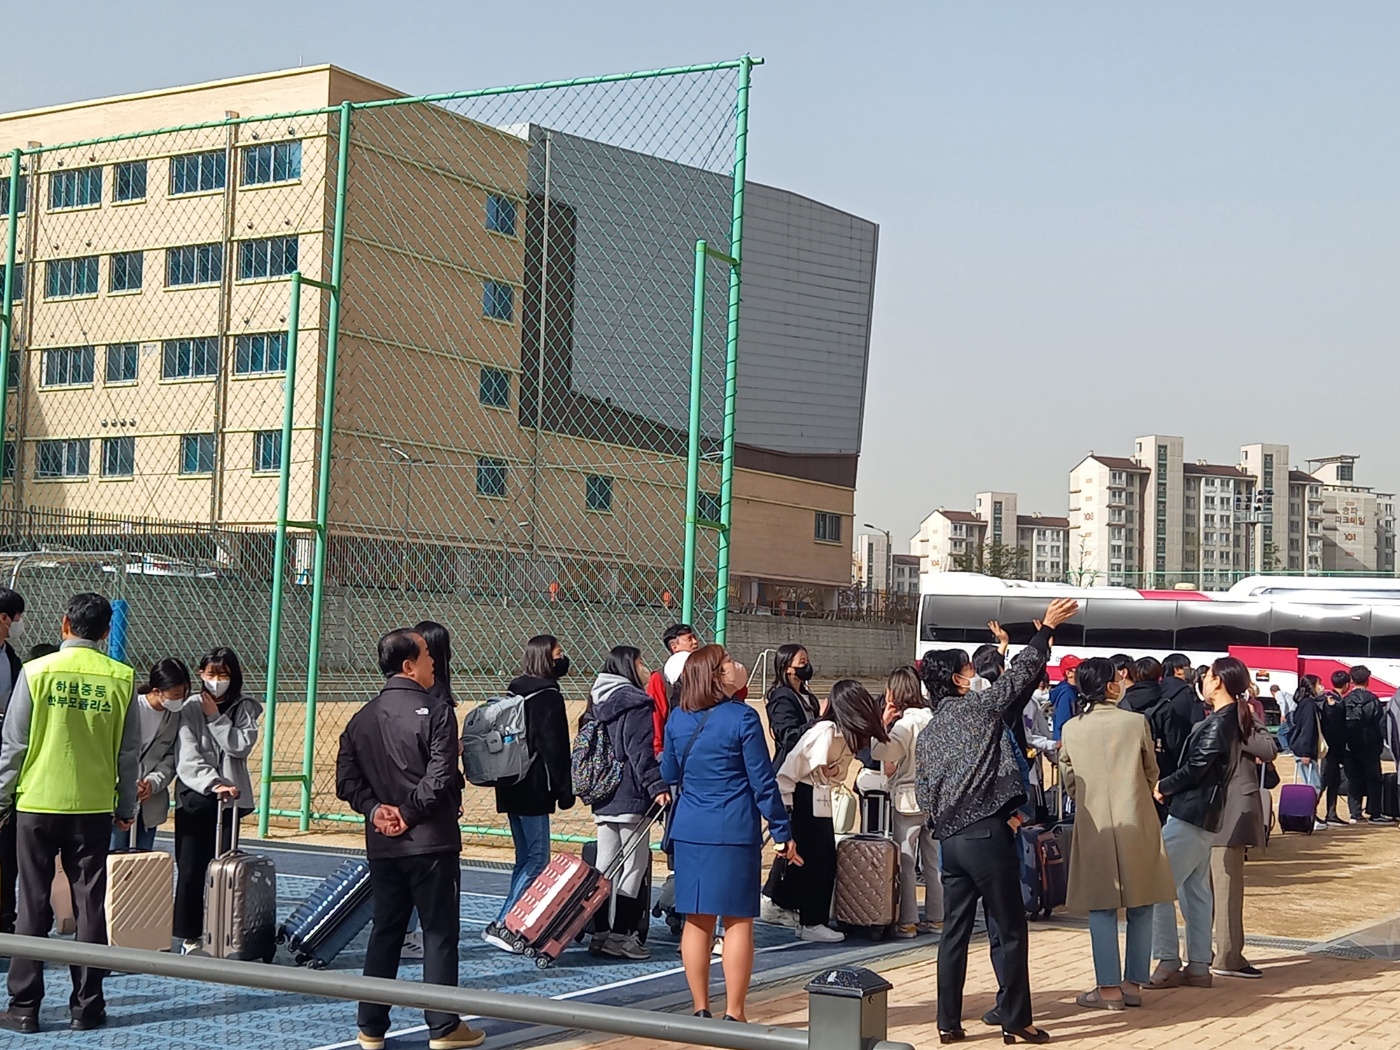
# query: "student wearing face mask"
{"type": "Point", "coordinates": [218, 730]}
{"type": "Point", "coordinates": [158, 704]}
{"type": "Point", "coordinates": [548, 783]}
{"type": "Point", "coordinates": [790, 705]}
{"type": "Point", "coordinates": [11, 630]}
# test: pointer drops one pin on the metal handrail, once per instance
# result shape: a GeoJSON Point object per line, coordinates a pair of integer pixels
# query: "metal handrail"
{"type": "Point", "coordinates": [528, 1009]}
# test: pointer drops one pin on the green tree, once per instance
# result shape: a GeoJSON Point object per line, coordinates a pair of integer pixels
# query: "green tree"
{"type": "Point", "coordinates": [1003, 560]}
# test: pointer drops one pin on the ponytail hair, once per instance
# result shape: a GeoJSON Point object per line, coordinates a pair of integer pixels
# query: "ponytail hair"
{"type": "Point", "coordinates": [1234, 676]}
{"type": "Point", "coordinates": [1091, 679]}
{"type": "Point", "coordinates": [167, 674]}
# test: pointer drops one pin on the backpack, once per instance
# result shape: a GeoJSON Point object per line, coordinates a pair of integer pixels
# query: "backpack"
{"type": "Point", "coordinates": [596, 768]}
{"type": "Point", "coordinates": [1166, 734]}
{"type": "Point", "coordinates": [495, 752]}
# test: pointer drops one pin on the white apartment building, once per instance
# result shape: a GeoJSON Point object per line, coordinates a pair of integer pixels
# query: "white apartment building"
{"type": "Point", "coordinates": [947, 537]}
{"type": "Point", "coordinates": [1358, 523]}
{"type": "Point", "coordinates": [1104, 534]}
{"type": "Point", "coordinates": [1290, 510]}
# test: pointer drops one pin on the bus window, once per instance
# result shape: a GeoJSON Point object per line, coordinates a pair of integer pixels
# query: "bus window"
{"type": "Point", "coordinates": [1132, 626]}
{"type": "Point", "coordinates": [1018, 612]}
{"type": "Point", "coordinates": [1321, 630]}
{"type": "Point", "coordinates": [1385, 631]}
{"type": "Point", "coordinates": [1213, 627]}
{"type": "Point", "coordinates": [957, 619]}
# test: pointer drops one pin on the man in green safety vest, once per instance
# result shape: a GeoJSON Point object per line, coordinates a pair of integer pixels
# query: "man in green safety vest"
{"type": "Point", "coordinates": [69, 757]}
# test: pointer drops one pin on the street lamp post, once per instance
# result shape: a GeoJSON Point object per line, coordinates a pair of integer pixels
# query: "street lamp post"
{"type": "Point", "coordinates": [889, 562]}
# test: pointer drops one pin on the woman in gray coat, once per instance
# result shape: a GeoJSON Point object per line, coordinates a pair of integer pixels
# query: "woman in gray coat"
{"type": "Point", "coordinates": [158, 703]}
{"type": "Point", "coordinates": [1245, 825]}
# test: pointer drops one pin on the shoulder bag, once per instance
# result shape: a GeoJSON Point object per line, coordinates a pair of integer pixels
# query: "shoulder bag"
{"type": "Point", "coordinates": [666, 846]}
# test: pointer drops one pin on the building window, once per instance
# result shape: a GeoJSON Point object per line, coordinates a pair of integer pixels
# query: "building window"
{"type": "Point", "coordinates": [80, 188]}
{"type": "Point", "coordinates": [498, 301]}
{"type": "Point", "coordinates": [1345, 472]}
{"type": "Point", "coordinates": [62, 459]}
{"type": "Point", "coordinates": [828, 527]}
{"type": "Point", "coordinates": [121, 362]}
{"type": "Point", "coordinates": [118, 457]}
{"type": "Point", "coordinates": [124, 272]}
{"type": "Point", "coordinates": [70, 277]}
{"type": "Point", "coordinates": [490, 477]}
{"type": "Point", "coordinates": [500, 215]}
{"type": "Point", "coordinates": [9, 466]}
{"type": "Point", "coordinates": [194, 264]}
{"type": "Point", "coordinates": [495, 387]}
{"type": "Point", "coordinates": [189, 358]}
{"type": "Point", "coordinates": [17, 285]}
{"type": "Point", "coordinates": [598, 492]}
{"type": "Point", "coordinates": [23, 195]}
{"type": "Point", "coordinates": [67, 366]}
{"type": "Point", "coordinates": [262, 354]}
{"type": "Point", "coordinates": [197, 172]}
{"type": "Point", "coordinates": [267, 451]}
{"type": "Point", "coordinates": [708, 507]}
{"type": "Point", "coordinates": [12, 380]}
{"type": "Point", "coordinates": [197, 454]}
{"type": "Point", "coordinates": [274, 257]}
{"type": "Point", "coordinates": [130, 180]}
{"type": "Point", "coordinates": [271, 162]}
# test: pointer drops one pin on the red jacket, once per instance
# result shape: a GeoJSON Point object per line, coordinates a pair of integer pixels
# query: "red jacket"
{"type": "Point", "coordinates": [661, 706]}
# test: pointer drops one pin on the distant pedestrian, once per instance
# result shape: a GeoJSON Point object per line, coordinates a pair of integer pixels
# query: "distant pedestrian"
{"type": "Point", "coordinates": [1365, 742]}
{"type": "Point", "coordinates": [1307, 738]}
{"type": "Point", "coordinates": [678, 638]}
{"type": "Point", "coordinates": [399, 767]}
{"type": "Point", "coordinates": [1332, 720]}
{"type": "Point", "coordinates": [1284, 701]}
{"type": "Point", "coordinates": [1064, 698]}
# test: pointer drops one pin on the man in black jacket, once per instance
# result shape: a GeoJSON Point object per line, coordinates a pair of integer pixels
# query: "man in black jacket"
{"type": "Point", "coordinates": [1365, 737]}
{"type": "Point", "coordinates": [11, 627]}
{"type": "Point", "coordinates": [1177, 690]}
{"type": "Point", "coordinates": [1332, 716]}
{"type": "Point", "coordinates": [398, 766]}
{"type": "Point", "coordinates": [1147, 698]}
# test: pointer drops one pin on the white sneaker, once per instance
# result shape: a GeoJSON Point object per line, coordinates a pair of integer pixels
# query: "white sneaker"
{"type": "Point", "coordinates": [819, 934]}
{"type": "Point", "coordinates": [191, 947]}
{"type": "Point", "coordinates": [492, 935]}
{"type": "Point", "coordinates": [1320, 825]}
{"type": "Point", "coordinates": [775, 916]}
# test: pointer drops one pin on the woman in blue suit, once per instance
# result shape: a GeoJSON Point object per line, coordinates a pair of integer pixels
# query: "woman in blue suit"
{"type": "Point", "coordinates": [716, 759]}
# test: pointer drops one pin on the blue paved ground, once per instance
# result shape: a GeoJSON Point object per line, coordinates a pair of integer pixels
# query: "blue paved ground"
{"type": "Point", "coordinates": [152, 1013]}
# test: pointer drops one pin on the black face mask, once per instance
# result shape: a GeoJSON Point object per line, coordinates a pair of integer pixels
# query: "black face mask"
{"type": "Point", "coordinates": [804, 673]}
{"type": "Point", "coordinates": [561, 667]}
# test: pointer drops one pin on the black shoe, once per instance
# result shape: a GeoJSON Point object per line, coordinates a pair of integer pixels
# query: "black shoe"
{"type": "Point", "coordinates": [89, 1023]}
{"type": "Point", "coordinates": [957, 1035]}
{"type": "Point", "coordinates": [1026, 1035]}
{"type": "Point", "coordinates": [26, 1023]}
{"type": "Point", "coordinates": [992, 1018]}
{"type": "Point", "coordinates": [704, 1013]}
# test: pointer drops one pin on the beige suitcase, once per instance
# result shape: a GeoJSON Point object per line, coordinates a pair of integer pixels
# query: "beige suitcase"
{"type": "Point", "coordinates": [140, 898]}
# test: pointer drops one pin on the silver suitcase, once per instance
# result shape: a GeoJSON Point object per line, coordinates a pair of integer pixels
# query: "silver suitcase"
{"type": "Point", "coordinates": [240, 901]}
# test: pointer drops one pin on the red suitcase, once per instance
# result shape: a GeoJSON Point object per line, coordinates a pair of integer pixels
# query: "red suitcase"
{"type": "Point", "coordinates": [556, 908]}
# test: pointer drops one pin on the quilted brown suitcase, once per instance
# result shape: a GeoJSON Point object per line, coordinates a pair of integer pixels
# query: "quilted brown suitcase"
{"type": "Point", "coordinates": [240, 901]}
{"type": "Point", "coordinates": [140, 898]}
{"type": "Point", "coordinates": [867, 872]}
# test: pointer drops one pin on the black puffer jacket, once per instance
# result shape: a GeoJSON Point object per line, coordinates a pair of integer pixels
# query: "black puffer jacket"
{"type": "Point", "coordinates": [1303, 731]}
{"type": "Point", "coordinates": [626, 713]}
{"type": "Point", "coordinates": [549, 782]}
{"type": "Point", "coordinates": [1149, 700]}
{"type": "Point", "coordinates": [1333, 717]}
{"type": "Point", "coordinates": [789, 716]}
{"type": "Point", "coordinates": [1196, 791]}
{"type": "Point", "coordinates": [1185, 704]}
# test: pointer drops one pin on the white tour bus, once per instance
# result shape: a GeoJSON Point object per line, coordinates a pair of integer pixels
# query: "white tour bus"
{"type": "Point", "coordinates": [1280, 626]}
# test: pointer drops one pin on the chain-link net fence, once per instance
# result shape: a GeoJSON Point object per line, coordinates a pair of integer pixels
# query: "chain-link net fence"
{"type": "Point", "coordinates": [488, 426]}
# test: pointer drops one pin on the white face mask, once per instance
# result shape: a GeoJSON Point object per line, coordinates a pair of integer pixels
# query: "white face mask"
{"type": "Point", "coordinates": [216, 687]}
{"type": "Point", "coordinates": [171, 704]}
{"type": "Point", "coordinates": [977, 684]}
{"type": "Point", "coordinates": [16, 630]}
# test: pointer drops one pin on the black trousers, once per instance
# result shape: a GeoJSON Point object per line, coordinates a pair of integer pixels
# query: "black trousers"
{"type": "Point", "coordinates": [432, 883]}
{"type": "Point", "coordinates": [9, 877]}
{"type": "Point", "coordinates": [82, 843]}
{"type": "Point", "coordinates": [807, 889]}
{"type": "Point", "coordinates": [195, 847]}
{"type": "Point", "coordinates": [1363, 768]}
{"type": "Point", "coordinates": [980, 863]}
{"type": "Point", "coordinates": [1332, 764]}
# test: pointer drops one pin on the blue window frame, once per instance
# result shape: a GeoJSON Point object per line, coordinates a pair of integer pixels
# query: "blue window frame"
{"type": "Point", "coordinates": [194, 264]}
{"type": "Point", "coordinates": [68, 366]}
{"type": "Point", "coordinates": [598, 492]}
{"type": "Point", "coordinates": [122, 362]}
{"type": "Point", "coordinates": [129, 181]}
{"type": "Point", "coordinates": [69, 277]}
{"type": "Point", "coordinates": [498, 301]}
{"type": "Point", "coordinates": [62, 459]}
{"type": "Point", "coordinates": [79, 188]}
{"type": "Point", "coordinates": [189, 358]}
{"type": "Point", "coordinates": [118, 457]}
{"type": "Point", "coordinates": [274, 257]}
{"type": "Point", "coordinates": [18, 290]}
{"type": "Point", "coordinates": [500, 215]}
{"type": "Point", "coordinates": [198, 172]}
{"type": "Point", "coordinates": [124, 272]}
{"type": "Point", "coordinates": [271, 162]}
{"type": "Point", "coordinates": [267, 451]}
{"type": "Point", "coordinates": [261, 354]}
{"type": "Point", "coordinates": [495, 387]}
{"type": "Point", "coordinates": [196, 454]}
{"type": "Point", "coordinates": [491, 477]}
{"type": "Point", "coordinates": [5, 195]}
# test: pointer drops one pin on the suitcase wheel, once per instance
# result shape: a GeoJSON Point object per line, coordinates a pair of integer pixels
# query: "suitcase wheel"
{"type": "Point", "coordinates": [300, 959]}
{"type": "Point", "coordinates": [543, 962]}
{"type": "Point", "coordinates": [879, 933]}
{"type": "Point", "coordinates": [675, 924]}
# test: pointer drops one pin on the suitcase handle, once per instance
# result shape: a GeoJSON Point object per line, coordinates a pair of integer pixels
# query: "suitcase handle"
{"type": "Point", "coordinates": [232, 806]}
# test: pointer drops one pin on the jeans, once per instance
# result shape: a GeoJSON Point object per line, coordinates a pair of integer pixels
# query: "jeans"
{"type": "Point", "coordinates": [1310, 774]}
{"type": "Point", "coordinates": [1284, 731]}
{"type": "Point", "coordinates": [145, 837]}
{"type": "Point", "coordinates": [531, 835]}
{"type": "Point", "coordinates": [1188, 851]}
{"type": "Point", "coordinates": [1103, 936]}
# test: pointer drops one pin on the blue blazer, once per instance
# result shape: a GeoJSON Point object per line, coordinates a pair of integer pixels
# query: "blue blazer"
{"type": "Point", "coordinates": [729, 778]}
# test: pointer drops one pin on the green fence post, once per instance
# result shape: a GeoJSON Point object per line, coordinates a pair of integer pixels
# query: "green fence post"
{"type": "Point", "coordinates": [323, 480]}
{"type": "Point", "coordinates": [7, 311]}
{"type": "Point", "coordinates": [731, 354]}
{"type": "Point", "coordinates": [279, 556]}
{"type": "Point", "coordinates": [692, 466]}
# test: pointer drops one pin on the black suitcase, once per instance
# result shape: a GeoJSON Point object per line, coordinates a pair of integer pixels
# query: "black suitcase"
{"type": "Point", "coordinates": [330, 918]}
{"type": "Point", "coordinates": [1390, 796]}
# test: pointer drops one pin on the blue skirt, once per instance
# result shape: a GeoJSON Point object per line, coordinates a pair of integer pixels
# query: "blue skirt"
{"type": "Point", "coordinates": [718, 880]}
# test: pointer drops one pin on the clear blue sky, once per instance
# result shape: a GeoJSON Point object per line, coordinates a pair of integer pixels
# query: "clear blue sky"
{"type": "Point", "coordinates": [1097, 219]}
